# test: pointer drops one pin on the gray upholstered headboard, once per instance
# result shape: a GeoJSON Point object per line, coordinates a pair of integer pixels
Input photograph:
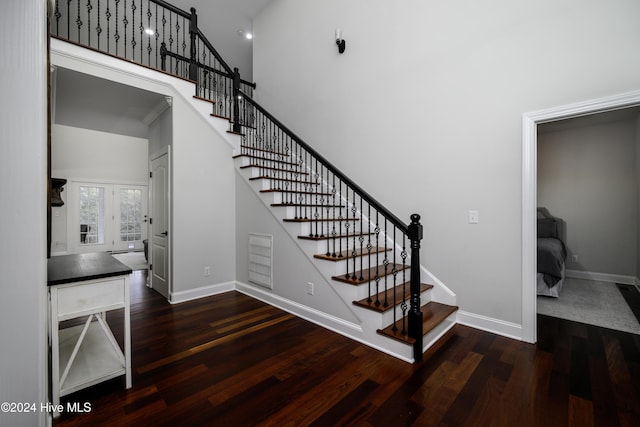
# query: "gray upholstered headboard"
{"type": "Point", "coordinates": [549, 225]}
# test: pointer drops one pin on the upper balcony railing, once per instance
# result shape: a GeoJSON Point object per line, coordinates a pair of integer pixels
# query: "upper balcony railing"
{"type": "Point", "coordinates": [155, 34]}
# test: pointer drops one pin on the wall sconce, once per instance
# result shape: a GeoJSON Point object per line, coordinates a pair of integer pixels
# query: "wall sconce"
{"type": "Point", "coordinates": [340, 41]}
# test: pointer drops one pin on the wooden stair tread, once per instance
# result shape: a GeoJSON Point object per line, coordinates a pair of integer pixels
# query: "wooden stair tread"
{"type": "Point", "coordinates": [396, 292]}
{"type": "Point", "coordinates": [337, 236]}
{"type": "Point", "coordinates": [211, 101]}
{"type": "Point", "coordinates": [312, 193]}
{"type": "Point", "coordinates": [363, 276]}
{"type": "Point", "coordinates": [249, 156]}
{"type": "Point", "coordinates": [262, 150]}
{"type": "Point", "coordinates": [304, 205]}
{"type": "Point", "coordinates": [318, 220]}
{"type": "Point", "coordinates": [348, 254]}
{"type": "Point", "coordinates": [273, 178]}
{"type": "Point", "coordinates": [271, 168]}
{"type": "Point", "coordinates": [220, 117]}
{"type": "Point", "coordinates": [433, 313]}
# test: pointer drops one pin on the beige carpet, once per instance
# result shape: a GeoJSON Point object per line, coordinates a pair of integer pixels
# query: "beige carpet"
{"type": "Point", "coordinates": [592, 302]}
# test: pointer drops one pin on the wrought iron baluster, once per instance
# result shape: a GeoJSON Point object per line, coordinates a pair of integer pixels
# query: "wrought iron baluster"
{"type": "Point", "coordinates": [333, 223]}
{"type": "Point", "coordinates": [361, 239]}
{"type": "Point", "coordinates": [394, 271]}
{"type": "Point", "coordinates": [133, 30]}
{"type": "Point", "coordinates": [385, 262]}
{"type": "Point", "coordinates": [79, 21]}
{"type": "Point", "coordinates": [98, 28]}
{"type": "Point", "coordinates": [354, 253]}
{"type": "Point", "coordinates": [377, 274]}
{"type": "Point", "coordinates": [157, 34]}
{"type": "Point", "coordinates": [148, 31]}
{"type": "Point", "coordinates": [107, 14]}
{"type": "Point", "coordinates": [369, 246]}
{"type": "Point", "coordinates": [89, 8]}
{"type": "Point", "coordinates": [57, 15]}
{"type": "Point", "coordinates": [340, 219]}
{"type": "Point", "coordinates": [125, 23]}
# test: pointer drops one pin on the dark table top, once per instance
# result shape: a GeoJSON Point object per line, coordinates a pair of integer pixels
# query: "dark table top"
{"type": "Point", "coordinates": [79, 267]}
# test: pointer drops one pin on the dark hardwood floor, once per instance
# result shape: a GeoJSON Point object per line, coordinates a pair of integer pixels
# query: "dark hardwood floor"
{"type": "Point", "coordinates": [230, 360]}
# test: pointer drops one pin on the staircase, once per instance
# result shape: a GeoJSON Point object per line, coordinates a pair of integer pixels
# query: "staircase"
{"type": "Point", "coordinates": [342, 231]}
{"type": "Point", "coordinates": [369, 257]}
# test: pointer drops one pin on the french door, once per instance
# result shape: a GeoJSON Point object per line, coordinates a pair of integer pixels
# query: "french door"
{"type": "Point", "coordinates": [107, 217]}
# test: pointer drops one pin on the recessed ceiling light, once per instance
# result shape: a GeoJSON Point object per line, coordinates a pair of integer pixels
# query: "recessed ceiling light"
{"type": "Point", "coordinates": [248, 36]}
{"type": "Point", "coordinates": [149, 31]}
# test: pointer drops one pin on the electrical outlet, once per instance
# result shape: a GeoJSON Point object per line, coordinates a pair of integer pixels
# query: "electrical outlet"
{"type": "Point", "coordinates": [310, 288]}
{"type": "Point", "coordinates": [574, 258]}
{"type": "Point", "coordinates": [207, 271]}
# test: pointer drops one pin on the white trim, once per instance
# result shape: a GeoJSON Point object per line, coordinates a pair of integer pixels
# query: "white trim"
{"type": "Point", "coordinates": [496, 326]}
{"type": "Point", "coordinates": [530, 123]}
{"type": "Point", "coordinates": [601, 277]}
{"type": "Point", "coordinates": [201, 292]}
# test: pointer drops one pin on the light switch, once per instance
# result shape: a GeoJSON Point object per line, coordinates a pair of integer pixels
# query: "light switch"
{"type": "Point", "coordinates": [473, 217]}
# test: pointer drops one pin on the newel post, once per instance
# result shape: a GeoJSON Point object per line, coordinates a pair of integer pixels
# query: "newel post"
{"type": "Point", "coordinates": [193, 58]}
{"type": "Point", "coordinates": [236, 100]}
{"type": "Point", "coordinates": [415, 315]}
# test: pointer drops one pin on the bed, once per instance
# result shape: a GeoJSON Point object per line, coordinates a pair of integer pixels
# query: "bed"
{"type": "Point", "coordinates": [551, 254]}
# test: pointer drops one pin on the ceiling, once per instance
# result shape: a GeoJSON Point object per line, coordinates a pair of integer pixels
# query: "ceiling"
{"type": "Point", "coordinates": [88, 102]}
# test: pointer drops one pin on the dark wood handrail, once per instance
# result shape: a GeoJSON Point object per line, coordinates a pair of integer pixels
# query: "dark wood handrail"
{"type": "Point", "coordinates": [172, 8]}
{"type": "Point", "coordinates": [366, 196]}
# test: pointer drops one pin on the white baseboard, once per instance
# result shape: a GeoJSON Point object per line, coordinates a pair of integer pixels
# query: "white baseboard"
{"type": "Point", "coordinates": [204, 291]}
{"type": "Point", "coordinates": [602, 277]}
{"type": "Point", "coordinates": [318, 317]}
{"type": "Point", "coordinates": [496, 326]}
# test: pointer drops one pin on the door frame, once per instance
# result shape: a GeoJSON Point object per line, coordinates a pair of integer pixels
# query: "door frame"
{"type": "Point", "coordinates": [165, 151]}
{"type": "Point", "coordinates": [530, 122]}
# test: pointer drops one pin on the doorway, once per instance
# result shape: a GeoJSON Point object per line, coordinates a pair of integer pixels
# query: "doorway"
{"type": "Point", "coordinates": [530, 122]}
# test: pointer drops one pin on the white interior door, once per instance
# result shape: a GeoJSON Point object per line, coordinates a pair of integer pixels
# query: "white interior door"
{"type": "Point", "coordinates": [159, 251]}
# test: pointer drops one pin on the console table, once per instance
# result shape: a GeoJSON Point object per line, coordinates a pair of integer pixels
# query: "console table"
{"type": "Point", "coordinates": [87, 285]}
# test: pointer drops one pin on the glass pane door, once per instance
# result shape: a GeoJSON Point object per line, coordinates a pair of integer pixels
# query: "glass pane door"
{"type": "Point", "coordinates": [92, 215]}
{"type": "Point", "coordinates": [131, 215]}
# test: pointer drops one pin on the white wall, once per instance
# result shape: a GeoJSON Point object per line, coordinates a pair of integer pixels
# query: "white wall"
{"type": "Point", "coordinates": [588, 177]}
{"type": "Point", "coordinates": [440, 89]}
{"type": "Point", "coordinates": [23, 376]}
{"type": "Point", "coordinates": [84, 154]}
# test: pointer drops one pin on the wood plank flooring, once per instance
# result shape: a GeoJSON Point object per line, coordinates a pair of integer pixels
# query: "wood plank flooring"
{"type": "Point", "coordinates": [230, 360]}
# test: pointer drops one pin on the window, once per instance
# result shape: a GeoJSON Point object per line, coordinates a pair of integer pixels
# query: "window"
{"type": "Point", "coordinates": [92, 215]}
{"type": "Point", "coordinates": [130, 215]}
